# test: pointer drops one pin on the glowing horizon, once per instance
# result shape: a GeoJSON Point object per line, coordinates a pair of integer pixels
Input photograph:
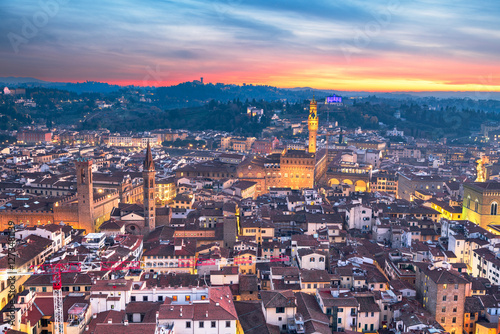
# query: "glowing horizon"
{"type": "Point", "coordinates": [376, 46]}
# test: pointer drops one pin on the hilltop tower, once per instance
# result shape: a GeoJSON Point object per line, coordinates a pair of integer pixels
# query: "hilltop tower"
{"type": "Point", "coordinates": [313, 125]}
{"type": "Point", "coordinates": [148, 175]}
{"type": "Point", "coordinates": [85, 193]}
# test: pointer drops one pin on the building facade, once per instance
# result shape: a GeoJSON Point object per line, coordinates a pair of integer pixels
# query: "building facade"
{"type": "Point", "coordinates": [443, 292]}
{"type": "Point", "coordinates": [148, 175]}
{"type": "Point", "coordinates": [313, 125]}
{"type": "Point", "coordinates": [480, 203]}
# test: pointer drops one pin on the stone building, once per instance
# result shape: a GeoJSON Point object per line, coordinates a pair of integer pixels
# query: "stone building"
{"type": "Point", "coordinates": [291, 168]}
{"type": "Point", "coordinates": [384, 181]}
{"type": "Point", "coordinates": [480, 203]}
{"type": "Point", "coordinates": [148, 176]}
{"type": "Point", "coordinates": [93, 203]}
{"type": "Point", "coordinates": [409, 183]}
{"type": "Point", "coordinates": [442, 292]}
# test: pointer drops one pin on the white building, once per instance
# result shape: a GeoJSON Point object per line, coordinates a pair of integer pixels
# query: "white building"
{"type": "Point", "coordinates": [212, 315]}
{"type": "Point", "coordinates": [309, 259]}
{"type": "Point", "coordinates": [359, 217]}
{"type": "Point", "coordinates": [278, 307]}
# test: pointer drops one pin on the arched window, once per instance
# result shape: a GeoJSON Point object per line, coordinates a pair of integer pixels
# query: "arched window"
{"type": "Point", "coordinates": [494, 207]}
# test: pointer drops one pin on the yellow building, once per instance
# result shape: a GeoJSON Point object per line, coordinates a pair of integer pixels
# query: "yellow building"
{"type": "Point", "coordinates": [246, 260]}
{"type": "Point", "coordinates": [262, 231]}
{"type": "Point", "coordinates": [72, 282]}
{"type": "Point", "coordinates": [487, 328]}
{"type": "Point", "coordinates": [165, 191]}
{"type": "Point", "coordinates": [311, 280]}
{"type": "Point", "coordinates": [447, 211]}
{"type": "Point", "coordinates": [472, 311]}
{"type": "Point", "coordinates": [480, 203]}
{"type": "Point", "coordinates": [182, 201]}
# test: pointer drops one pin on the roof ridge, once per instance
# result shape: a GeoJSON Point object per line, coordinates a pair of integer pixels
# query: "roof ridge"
{"type": "Point", "coordinates": [34, 303]}
{"type": "Point", "coordinates": [270, 300]}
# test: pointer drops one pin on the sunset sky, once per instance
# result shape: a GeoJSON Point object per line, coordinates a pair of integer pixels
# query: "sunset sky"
{"type": "Point", "coordinates": [375, 45]}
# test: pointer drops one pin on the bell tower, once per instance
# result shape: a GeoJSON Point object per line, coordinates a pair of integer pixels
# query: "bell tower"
{"type": "Point", "coordinates": [148, 175]}
{"type": "Point", "coordinates": [85, 194]}
{"type": "Point", "coordinates": [313, 125]}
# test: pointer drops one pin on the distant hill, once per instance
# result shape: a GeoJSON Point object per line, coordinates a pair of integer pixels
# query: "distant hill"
{"type": "Point", "coordinates": [79, 87]}
{"type": "Point", "coordinates": [21, 80]}
{"type": "Point", "coordinates": [197, 92]}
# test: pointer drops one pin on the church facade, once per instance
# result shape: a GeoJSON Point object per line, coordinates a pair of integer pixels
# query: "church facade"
{"type": "Point", "coordinates": [480, 203]}
{"type": "Point", "coordinates": [91, 206]}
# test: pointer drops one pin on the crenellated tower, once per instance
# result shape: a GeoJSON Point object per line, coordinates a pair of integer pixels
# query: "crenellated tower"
{"type": "Point", "coordinates": [148, 175]}
{"type": "Point", "coordinates": [313, 125]}
{"type": "Point", "coordinates": [85, 193]}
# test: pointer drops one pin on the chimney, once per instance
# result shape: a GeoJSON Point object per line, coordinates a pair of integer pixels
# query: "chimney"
{"type": "Point", "coordinates": [94, 316]}
{"type": "Point", "coordinates": [217, 304]}
{"type": "Point", "coordinates": [125, 322]}
{"type": "Point", "coordinates": [110, 321]}
{"type": "Point", "coordinates": [206, 314]}
{"type": "Point", "coordinates": [86, 328]}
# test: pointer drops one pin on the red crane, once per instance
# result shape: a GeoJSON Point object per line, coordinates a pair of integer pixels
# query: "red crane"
{"type": "Point", "coordinates": [57, 269]}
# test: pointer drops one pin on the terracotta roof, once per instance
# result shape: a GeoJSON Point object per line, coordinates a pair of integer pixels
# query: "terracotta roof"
{"type": "Point", "coordinates": [112, 225]}
{"type": "Point", "coordinates": [228, 270]}
{"type": "Point", "coordinates": [42, 307]}
{"type": "Point", "coordinates": [149, 310]}
{"type": "Point", "coordinates": [120, 328]}
{"type": "Point", "coordinates": [170, 279]}
{"type": "Point", "coordinates": [277, 298]}
{"type": "Point", "coordinates": [367, 304]}
{"type": "Point", "coordinates": [104, 317]}
{"type": "Point", "coordinates": [314, 276]}
{"type": "Point", "coordinates": [443, 276]}
{"type": "Point", "coordinates": [248, 283]}
{"type": "Point", "coordinates": [67, 279]}
{"type": "Point", "coordinates": [309, 308]}
{"type": "Point", "coordinates": [473, 305]}
{"type": "Point", "coordinates": [219, 306]}
{"type": "Point", "coordinates": [251, 318]}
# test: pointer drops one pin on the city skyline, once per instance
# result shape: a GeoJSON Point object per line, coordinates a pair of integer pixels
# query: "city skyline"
{"type": "Point", "coordinates": [355, 45]}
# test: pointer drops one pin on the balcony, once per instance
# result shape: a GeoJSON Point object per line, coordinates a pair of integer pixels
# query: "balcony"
{"type": "Point", "coordinates": [76, 315]}
{"type": "Point", "coordinates": [296, 324]}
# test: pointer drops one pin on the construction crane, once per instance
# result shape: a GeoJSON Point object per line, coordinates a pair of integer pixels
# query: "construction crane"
{"type": "Point", "coordinates": [56, 269]}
